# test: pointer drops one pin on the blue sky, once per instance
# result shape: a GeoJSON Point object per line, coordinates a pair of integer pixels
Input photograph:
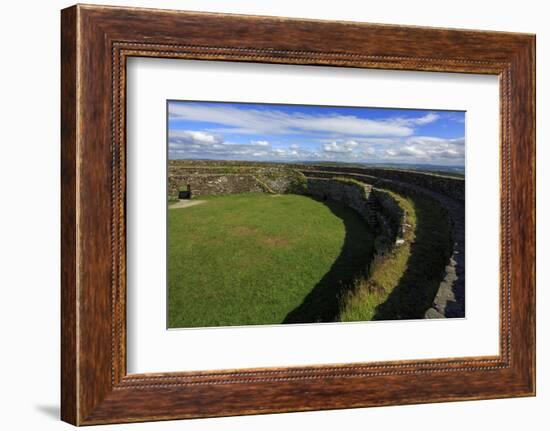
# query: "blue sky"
{"type": "Point", "coordinates": [289, 133]}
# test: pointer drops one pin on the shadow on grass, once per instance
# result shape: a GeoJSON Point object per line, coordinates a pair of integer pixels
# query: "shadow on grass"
{"type": "Point", "coordinates": [322, 304]}
{"type": "Point", "coordinates": [430, 252]}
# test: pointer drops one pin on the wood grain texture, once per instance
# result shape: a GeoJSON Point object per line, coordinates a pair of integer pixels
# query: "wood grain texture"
{"type": "Point", "coordinates": [96, 41]}
{"type": "Point", "coordinates": [69, 397]}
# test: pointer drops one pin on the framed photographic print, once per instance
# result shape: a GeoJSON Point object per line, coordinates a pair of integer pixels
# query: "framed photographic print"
{"type": "Point", "coordinates": [264, 215]}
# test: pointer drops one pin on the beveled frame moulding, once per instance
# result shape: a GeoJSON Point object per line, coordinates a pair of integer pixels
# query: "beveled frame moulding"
{"type": "Point", "coordinates": [95, 43]}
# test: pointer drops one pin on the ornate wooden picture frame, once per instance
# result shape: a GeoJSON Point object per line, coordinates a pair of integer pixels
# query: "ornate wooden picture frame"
{"type": "Point", "coordinates": [96, 41]}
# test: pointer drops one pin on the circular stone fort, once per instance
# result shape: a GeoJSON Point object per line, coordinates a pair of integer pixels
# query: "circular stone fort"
{"type": "Point", "coordinates": [416, 268]}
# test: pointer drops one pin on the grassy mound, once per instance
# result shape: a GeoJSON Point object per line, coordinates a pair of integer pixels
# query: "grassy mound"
{"type": "Point", "coordinates": [256, 259]}
{"type": "Point", "coordinates": [403, 284]}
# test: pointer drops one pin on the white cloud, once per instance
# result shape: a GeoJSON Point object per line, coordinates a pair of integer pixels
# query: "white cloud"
{"type": "Point", "coordinates": [426, 119]}
{"type": "Point", "coordinates": [274, 122]}
{"type": "Point", "coordinates": [343, 147]}
{"type": "Point", "coordinates": [413, 151]}
{"type": "Point", "coordinates": [427, 149]}
{"type": "Point", "coordinates": [316, 136]}
{"type": "Point", "coordinates": [421, 149]}
{"type": "Point", "coordinates": [204, 145]}
{"type": "Point", "coordinates": [189, 137]}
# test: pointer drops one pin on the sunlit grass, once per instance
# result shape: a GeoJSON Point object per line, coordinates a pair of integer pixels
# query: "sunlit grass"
{"type": "Point", "coordinates": [255, 259]}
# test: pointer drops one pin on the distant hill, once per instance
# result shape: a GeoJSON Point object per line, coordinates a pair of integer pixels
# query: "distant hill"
{"type": "Point", "coordinates": [457, 171]}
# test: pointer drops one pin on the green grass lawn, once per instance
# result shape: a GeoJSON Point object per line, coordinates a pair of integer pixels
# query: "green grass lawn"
{"type": "Point", "coordinates": [256, 259]}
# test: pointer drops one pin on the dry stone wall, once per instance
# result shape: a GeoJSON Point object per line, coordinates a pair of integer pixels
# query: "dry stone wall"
{"type": "Point", "coordinates": [450, 298]}
{"type": "Point", "coordinates": [377, 207]}
{"type": "Point", "coordinates": [449, 186]}
{"type": "Point", "coordinates": [362, 189]}
{"type": "Point", "coordinates": [207, 184]}
{"type": "Point", "coordinates": [351, 194]}
{"type": "Point", "coordinates": [218, 179]}
{"type": "Point", "coordinates": [281, 177]}
{"type": "Point", "coordinates": [389, 211]}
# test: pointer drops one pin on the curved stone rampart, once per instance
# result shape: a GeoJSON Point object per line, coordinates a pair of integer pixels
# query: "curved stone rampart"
{"type": "Point", "coordinates": [360, 188]}
{"type": "Point", "coordinates": [376, 206]}
{"type": "Point", "coordinates": [232, 181]}
{"type": "Point", "coordinates": [392, 217]}
{"type": "Point", "coordinates": [446, 185]}
{"type": "Point", "coordinates": [450, 298]}
{"type": "Point", "coordinates": [213, 184]}
{"type": "Point", "coordinates": [182, 170]}
{"type": "Point", "coordinates": [352, 194]}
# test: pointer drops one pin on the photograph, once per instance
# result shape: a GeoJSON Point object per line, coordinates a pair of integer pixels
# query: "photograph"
{"type": "Point", "coordinates": [305, 214]}
{"type": "Point", "coordinates": [275, 210]}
